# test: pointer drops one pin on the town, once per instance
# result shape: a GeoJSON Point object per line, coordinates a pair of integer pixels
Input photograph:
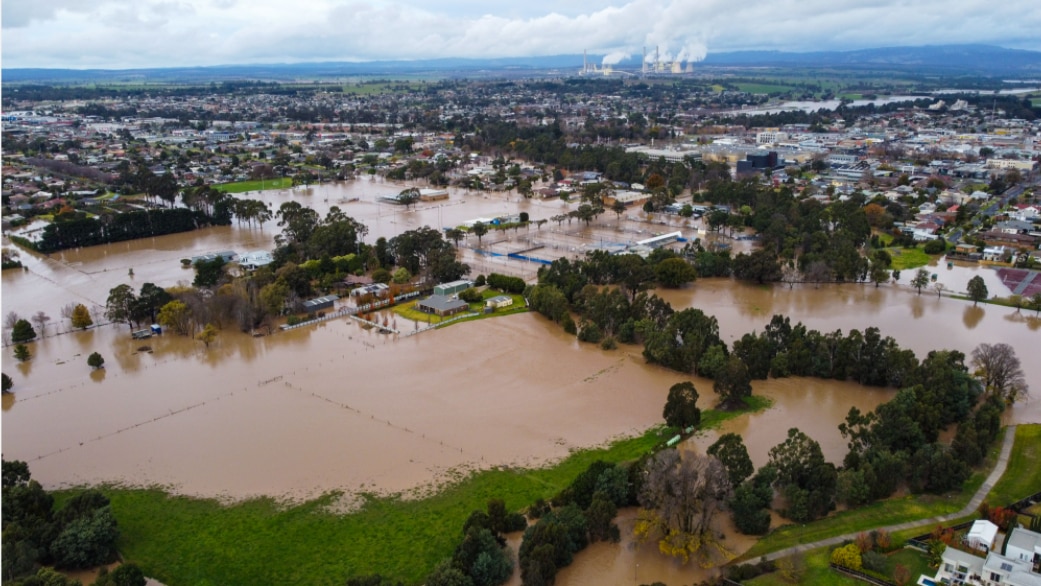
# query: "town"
{"type": "Point", "coordinates": [403, 206]}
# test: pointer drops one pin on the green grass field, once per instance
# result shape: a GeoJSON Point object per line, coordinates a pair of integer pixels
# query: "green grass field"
{"type": "Point", "coordinates": [763, 88]}
{"type": "Point", "coordinates": [244, 186]}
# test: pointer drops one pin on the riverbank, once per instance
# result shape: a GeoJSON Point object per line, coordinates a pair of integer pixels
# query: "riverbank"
{"type": "Point", "coordinates": [183, 540]}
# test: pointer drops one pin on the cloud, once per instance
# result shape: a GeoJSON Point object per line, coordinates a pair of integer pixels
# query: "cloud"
{"type": "Point", "coordinates": [153, 33]}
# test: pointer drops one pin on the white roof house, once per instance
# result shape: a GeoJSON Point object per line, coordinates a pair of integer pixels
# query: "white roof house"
{"type": "Point", "coordinates": [982, 535]}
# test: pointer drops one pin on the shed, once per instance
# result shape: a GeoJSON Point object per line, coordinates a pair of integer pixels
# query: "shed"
{"type": "Point", "coordinates": [499, 301]}
{"type": "Point", "coordinates": [252, 261]}
{"type": "Point", "coordinates": [982, 535]}
{"type": "Point", "coordinates": [448, 289]}
{"type": "Point", "coordinates": [442, 305]}
{"type": "Point", "coordinates": [320, 303]}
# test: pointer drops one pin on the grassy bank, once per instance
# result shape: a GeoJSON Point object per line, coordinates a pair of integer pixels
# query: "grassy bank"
{"type": "Point", "coordinates": [244, 186]}
{"type": "Point", "coordinates": [818, 572]}
{"type": "Point", "coordinates": [181, 540]}
{"type": "Point", "coordinates": [1022, 478]}
{"type": "Point", "coordinates": [878, 514]}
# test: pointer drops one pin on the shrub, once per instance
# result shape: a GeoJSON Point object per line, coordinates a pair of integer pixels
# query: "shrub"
{"type": "Point", "coordinates": [847, 556]}
{"type": "Point", "coordinates": [590, 332]}
{"type": "Point", "coordinates": [471, 295]}
{"type": "Point", "coordinates": [505, 283]}
{"type": "Point", "coordinates": [874, 561]}
{"type": "Point", "coordinates": [480, 281]}
{"type": "Point", "coordinates": [608, 343]}
{"type": "Point", "coordinates": [95, 360]}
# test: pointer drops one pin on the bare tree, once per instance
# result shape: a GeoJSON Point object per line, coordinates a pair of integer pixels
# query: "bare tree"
{"type": "Point", "coordinates": [790, 275]}
{"type": "Point", "coordinates": [680, 497]}
{"type": "Point", "coordinates": [10, 319]}
{"type": "Point", "coordinates": [40, 320]}
{"type": "Point", "coordinates": [1000, 370]}
{"type": "Point", "coordinates": [817, 272]}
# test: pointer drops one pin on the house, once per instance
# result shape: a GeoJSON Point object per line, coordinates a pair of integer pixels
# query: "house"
{"type": "Point", "coordinates": [1018, 566]}
{"type": "Point", "coordinates": [453, 288]}
{"type": "Point", "coordinates": [1024, 545]}
{"type": "Point", "coordinates": [1001, 570]}
{"type": "Point", "coordinates": [375, 289]}
{"type": "Point", "coordinates": [227, 255]}
{"type": "Point", "coordinates": [995, 253]}
{"type": "Point", "coordinates": [320, 303]}
{"type": "Point", "coordinates": [982, 535]}
{"type": "Point", "coordinates": [959, 567]}
{"type": "Point", "coordinates": [252, 261]}
{"type": "Point", "coordinates": [442, 305]}
{"type": "Point", "coordinates": [499, 301]}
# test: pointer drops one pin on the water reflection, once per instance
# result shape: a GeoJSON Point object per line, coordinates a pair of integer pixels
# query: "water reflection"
{"type": "Point", "coordinates": [98, 375]}
{"type": "Point", "coordinates": [972, 316]}
{"type": "Point", "coordinates": [8, 401]}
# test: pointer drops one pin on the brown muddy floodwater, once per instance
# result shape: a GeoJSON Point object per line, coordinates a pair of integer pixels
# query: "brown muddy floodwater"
{"type": "Point", "coordinates": [338, 407]}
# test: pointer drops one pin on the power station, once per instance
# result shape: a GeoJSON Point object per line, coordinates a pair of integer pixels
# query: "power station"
{"type": "Point", "coordinates": [655, 67]}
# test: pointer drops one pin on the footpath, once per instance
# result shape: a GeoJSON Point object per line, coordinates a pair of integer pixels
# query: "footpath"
{"type": "Point", "coordinates": [973, 504]}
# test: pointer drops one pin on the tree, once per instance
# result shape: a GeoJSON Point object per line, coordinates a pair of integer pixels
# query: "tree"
{"type": "Point", "coordinates": [124, 575]}
{"type": "Point", "coordinates": [1035, 302]}
{"type": "Point", "coordinates": [920, 280]}
{"type": "Point", "coordinates": [939, 289]}
{"type": "Point", "coordinates": [120, 304]}
{"type": "Point", "coordinates": [207, 335]}
{"type": "Point", "coordinates": [22, 331]}
{"type": "Point", "coordinates": [209, 272]}
{"type": "Point", "coordinates": [1001, 371]}
{"type": "Point", "coordinates": [81, 317]}
{"type": "Point", "coordinates": [678, 500]}
{"type": "Point", "coordinates": [21, 352]}
{"type": "Point", "coordinates": [408, 197]}
{"type": "Point", "coordinates": [479, 230]}
{"type": "Point", "coordinates": [674, 272]}
{"type": "Point", "coordinates": [803, 477]}
{"type": "Point", "coordinates": [681, 409]}
{"type": "Point", "coordinates": [95, 360]}
{"type": "Point", "coordinates": [733, 383]}
{"type": "Point", "coordinates": [730, 450]}
{"type": "Point", "coordinates": [455, 235]}
{"type": "Point", "coordinates": [977, 289]}
{"type": "Point", "coordinates": [879, 273]}
{"type": "Point", "coordinates": [7, 383]}
{"type": "Point", "coordinates": [40, 320]}
{"type": "Point", "coordinates": [176, 316]}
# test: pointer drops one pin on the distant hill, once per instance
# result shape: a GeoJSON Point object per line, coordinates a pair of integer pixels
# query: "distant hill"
{"type": "Point", "coordinates": [981, 59]}
{"type": "Point", "coordinates": [948, 59]}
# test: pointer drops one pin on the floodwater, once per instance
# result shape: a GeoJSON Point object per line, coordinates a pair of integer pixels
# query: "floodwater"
{"type": "Point", "coordinates": [339, 407]}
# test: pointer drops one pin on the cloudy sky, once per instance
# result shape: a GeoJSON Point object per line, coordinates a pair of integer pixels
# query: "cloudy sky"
{"type": "Point", "coordinates": [162, 33]}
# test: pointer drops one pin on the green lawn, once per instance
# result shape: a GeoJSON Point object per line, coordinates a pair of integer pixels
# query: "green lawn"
{"type": "Point", "coordinates": [182, 540]}
{"type": "Point", "coordinates": [408, 310]}
{"type": "Point", "coordinates": [1022, 478]}
{"type": "Point", "coordinates": [243, 186]}
{"type": "Point", "coordinates": [817, 572]}
{"type": "Point", "coordinates": [908, 258]}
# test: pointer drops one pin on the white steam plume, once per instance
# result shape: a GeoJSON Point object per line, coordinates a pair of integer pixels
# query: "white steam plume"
{"type": "Point", "coordinates": [614, 58]}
